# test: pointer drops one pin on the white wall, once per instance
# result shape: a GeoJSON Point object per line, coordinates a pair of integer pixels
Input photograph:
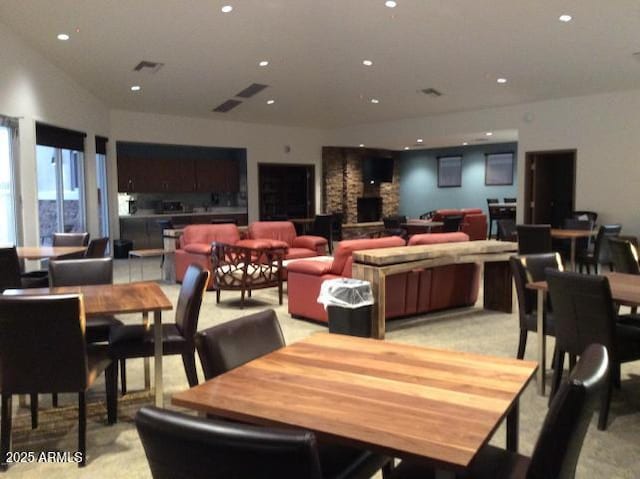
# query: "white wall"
{"type": "Point", "coordinates": [33, 89]}
{"type": "Point", "coordinates": [264, 143]}
{"type": "Point", "coordinates": [604, 129]}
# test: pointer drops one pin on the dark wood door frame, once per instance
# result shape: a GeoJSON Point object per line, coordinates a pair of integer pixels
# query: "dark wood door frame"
{"type": "Point", "coordinates": [311, 184]}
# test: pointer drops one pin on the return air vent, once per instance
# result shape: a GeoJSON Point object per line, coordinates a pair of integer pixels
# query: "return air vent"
{"type": "Point", "coordinates": [252, 90]}
{"type": "Point", "coordinates": [226, 106]}
{"type": "Point", "coordinates": [431, 92]}
{"type": "Point", "coordinates": [148, 67]}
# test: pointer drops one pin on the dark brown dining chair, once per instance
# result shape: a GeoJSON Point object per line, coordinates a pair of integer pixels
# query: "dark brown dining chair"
{"type": "Point", "coordinates": [43, 350]}
{"type": "Point", "coordinates": [97, 248]}
{"type": "Point", "coordinates": [534, 239]}
{"type": "Point", "coordinates": [229, 345]}
{"type": "Point", "coordinates": [557, 449]}
{"type": "Point", "coordinates": [584, 313]}
{"type": "Point", "coordinates": [528, 269]}
{"type": "Point", "coordinates": [510, 200]}
{"type": "Point", "coordinates": [323, 226]}
{"type": "Point", "coordinates": [11, 276]}
{"type": "Point", "coordinates": [507, 230]}
{"type": "Point", "coordinates": [136, 341]}
{"type": "Point", "coordinates": [624, 256]}
{"type": "Point", "coordinates": [393, 225]}
{"type": "Point", "coordinates": [70, 239]}
{"type": "Point", "coordinates": [600, 254]}
{"type": "Point", "coordinates": [451, 224]}
{"type": "Point", "coordinates": [179, 446]}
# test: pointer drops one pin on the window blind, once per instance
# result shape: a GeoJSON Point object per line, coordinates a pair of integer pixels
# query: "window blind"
{"type": "Point", "coordinates": [101, 145]}
{"type": "Point", "coordinates": [47, 135]}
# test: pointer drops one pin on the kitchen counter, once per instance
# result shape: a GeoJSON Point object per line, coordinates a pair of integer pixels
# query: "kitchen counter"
{"type": "Point", "coordinates": [221, 210]}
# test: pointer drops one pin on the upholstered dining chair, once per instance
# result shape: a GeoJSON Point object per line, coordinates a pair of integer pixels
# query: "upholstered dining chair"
{"type": "Point", "coordinates": [584, 313]}
{"type": "Point", "coordinates": [231, 344]}
{"type": "Point", "coordinates": [558, 447]}
{"type": "Point", "coordinates": [97, 248]}
{"type": "Point", "coordinates": [70, 239]}
{"type": "Point", "coordinates": [600, 254]}
{"type": "Point", "coordinates": [136, 341]}
{"type": "Point", "coordinates": [451, 224]}
{"type": "Point", "coordinates": [11, 276]}
{"type": "Point", "coordinates": [624, 256]}
{"type": "Point", "coordinates": [43, 350]}
{"type": "Point", "coordinates": [507, 230]}
{"type": "Point", "coordinates": [323, 226]}
{"type": "Point", "coordinates": [534, 239]}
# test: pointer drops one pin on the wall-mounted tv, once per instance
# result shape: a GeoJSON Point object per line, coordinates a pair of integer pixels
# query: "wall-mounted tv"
{"type": "Point", "coordinates": [377, 170]}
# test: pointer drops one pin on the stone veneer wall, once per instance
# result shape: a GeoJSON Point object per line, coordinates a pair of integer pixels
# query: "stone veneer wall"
{"type": "Point", "coordinates": [342, 182]}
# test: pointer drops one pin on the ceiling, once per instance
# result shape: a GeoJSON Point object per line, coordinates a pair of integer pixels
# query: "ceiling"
{"type": "Point", "coordinates": [316, 48]}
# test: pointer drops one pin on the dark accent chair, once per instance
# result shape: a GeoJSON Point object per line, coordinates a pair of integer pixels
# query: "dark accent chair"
{"type": "Point", "coordinates": [560, 441]}
{"type": "Point", "coordinates": [451, 224]}
{"type": "Point", "coordinates": [229, 345]}
{"type": "Point", "coordinates": [528, 269]}
{"type": "Point", "coordinates": [97, 248]}
{"type": "Point", "coordinates": [507, 230]}
{"type": "Point", "coordinates": [43, 350]}
{"type": "Point", "coordinates": [136, 341]}
{"type": "Point", "coordinates": [393, 225]}
{"type": "Point", "coordinates": [11, 276]}
{"type": "Point", "coordinates": [323, 226]}
{"type": "Point", "coordinates": [534, 239]}
{"type": "Point", "coordinates": [624, 256]}
{"type": "Point", "coordinates": [584, 313]}
{"type": "Point", "coordinates": [600, 255]}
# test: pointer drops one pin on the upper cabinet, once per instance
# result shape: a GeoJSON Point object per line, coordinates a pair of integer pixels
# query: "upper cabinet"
{"type": "Point", "coordinates": [221, 175]}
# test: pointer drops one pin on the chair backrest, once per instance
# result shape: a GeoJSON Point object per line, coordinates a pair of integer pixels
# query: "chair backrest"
{"type": "Point", "coordinates": [178, 446]}
{"type": "Point", "coordinates": [97, 248]}
{"type": "Point", "coordinates": [592, 215]}
{"type": "Point", "coordinates": [559, 443]}
{"type": "Point", "coordinates": [601, 250]}
{"type": "Point", "coordinates": [583, 311]}
{"type": "Point", "coordinates": [624, 256]}
{"type": "Point", "coordinates": [475, 225]}
{"type": "Point", "coordinates": [343, 254]}
{"type": "Point", "coordinates": [336, 226]}
{"type": "Point", "coordinates": [510, 200]}
{"type": "Point", "coordinates": [492, 201]}
{"type": "Point", "coordinates": [394, 221]}
{"type": "Point", "coordinates": [451, 224]}
{"type": "Point", "coordinates": [529, 269]}
{"type": "Point", "coordinates": [70, 239]}
{"type": "Point", "coordinates": [507, 230]}
{"type": "Point", "coordinates": [438, 238]}
{"type": "Point", "coordinates": [78, 272]}
{"type": "Point", "coordinates": [273, 230]}
{"type": "Point", "coordinates": [42, 344]}
{"type": "Point", "coordinates": [9, 269]}
{"type": "Point", "coordinates": [533, 239]}
{"type": "Point", "coordinates": [228, 345]}
{"type": "Point", "coordinates": [323, 226]}
{"type": "Point", "coordinates": [192, 290]}
{"type": "Point", "coordinates": [579, 224]}
{"type": "Point", "coordinates": [207, 234]}
{"type": "Point", "coordinates": [224, 221]}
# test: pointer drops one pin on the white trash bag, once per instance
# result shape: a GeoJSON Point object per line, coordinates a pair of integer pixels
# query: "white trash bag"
{"type": "Point", "coordinates": [346, 293]}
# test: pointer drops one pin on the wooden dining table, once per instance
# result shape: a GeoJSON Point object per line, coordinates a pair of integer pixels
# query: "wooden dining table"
{"type": "Point", "coordinates": [625, 290]}
{"type": "Point", "coordinates": [573, 236]}
{"type": "Point", "coordinates": [48, 252]}
{"type": "Point", "coordinates": [401, 400]}
{"type": "Point", "coordinates": [108, 299]}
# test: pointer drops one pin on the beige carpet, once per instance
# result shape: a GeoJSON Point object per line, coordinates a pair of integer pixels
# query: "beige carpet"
{"type": "Point", "coordinates": [115, 451]}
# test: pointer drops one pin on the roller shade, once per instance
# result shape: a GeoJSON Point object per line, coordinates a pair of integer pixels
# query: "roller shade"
{"type": "Point", "coordinates": [47, 135]}
{"type": "Point", "coordinates": [101, 145]}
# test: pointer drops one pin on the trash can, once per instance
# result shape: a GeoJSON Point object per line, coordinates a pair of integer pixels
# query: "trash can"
{"type": "Point", "coordinates": [348, 303]}
{"type": "Point", "coordinates": [121, 248]}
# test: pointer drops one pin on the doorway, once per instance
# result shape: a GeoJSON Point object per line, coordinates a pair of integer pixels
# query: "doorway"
{"type": "Point", "coordinates": [286, 191]}
{"type": "Point", "coordinates": [550, 183]}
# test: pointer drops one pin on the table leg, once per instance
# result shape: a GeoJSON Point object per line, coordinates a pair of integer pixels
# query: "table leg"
{"type": "Point", "coordinates": [542, 346]}
{"type": "Point", "coordinates": [129, 264]}
{"type": "Point", "coordinates": [443, 474]}
{"type": "Point", "coordinates": [513, 422]}
{"type": "Point", "coordinates": [157, 338]}
{"type": "Point", "coordinates": [147, 367]}
{"type": "Point", "coordinates": [573, 254]}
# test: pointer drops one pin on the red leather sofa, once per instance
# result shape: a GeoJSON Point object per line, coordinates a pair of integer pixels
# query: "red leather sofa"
{"type": "Point", "coordinates": [282, 234]}
{"type": "Point", "coordinates": [416, 292]}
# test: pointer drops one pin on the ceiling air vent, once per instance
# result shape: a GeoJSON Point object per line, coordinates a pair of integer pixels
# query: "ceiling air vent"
{"type": "Point", "coordinates": [148, 67]}
{"type": "Point", "coordinates": [431, 92]}
{"type": "Point", "coordinates": [226, 106]}
{"type": "Point", "coordinates": [252, 90]}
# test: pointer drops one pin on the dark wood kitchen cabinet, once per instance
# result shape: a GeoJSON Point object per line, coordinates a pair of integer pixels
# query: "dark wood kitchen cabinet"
{"type": "Point", "coordinates": [131, 174]}
{"type": "Point", "coordinates": [220, 176]}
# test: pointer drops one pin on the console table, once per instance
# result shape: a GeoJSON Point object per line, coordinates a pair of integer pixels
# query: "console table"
{"type": "Point", "coordinates": [374, 265]}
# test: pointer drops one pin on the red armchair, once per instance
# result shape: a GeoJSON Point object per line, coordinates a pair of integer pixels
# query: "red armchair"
{"type": "Point", "coordinates": [282, 234]}
{"type": "Point", "coordinates": [475, 225]}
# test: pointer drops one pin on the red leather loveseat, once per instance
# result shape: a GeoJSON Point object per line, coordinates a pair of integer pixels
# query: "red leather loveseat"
{"type": "Point", "coordinates": [282, 234]}
{"type": "Point", "coordinates": [415, 292]}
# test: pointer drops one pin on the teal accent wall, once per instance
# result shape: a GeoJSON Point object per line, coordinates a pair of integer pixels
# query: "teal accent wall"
{"type": "Point", "coordinates": [419, 190]}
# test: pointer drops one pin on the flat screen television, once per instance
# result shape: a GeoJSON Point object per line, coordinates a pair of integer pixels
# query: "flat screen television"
{"type": "Point", "coordinates": [377, 170]}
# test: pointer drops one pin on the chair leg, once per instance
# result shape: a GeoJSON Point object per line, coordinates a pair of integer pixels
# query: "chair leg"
{"type": "Point", "coordinates": [387, 470]}
{"type": "Point", "coordinates": [242, 298]}
{"type": "Point", "coordinates": [111, 387]}
{"type": "Point", "coordinates": [123, 377]}
{"type": "Point", "coordinates": [82, 429]}
{"type": "Point", "coordinates": [54, 399]}
{"type": "Point", "coordinates": [217, 295]}
{"type": "Point", "coordinates": [615, 375]}
{"type": "Point", "coordinates": [5, 430]}
{"type": "Point", "coordinates": [249, 293]}
{"type": "Point", "coordinates": [33, 402]}
{"type": "Point", "coordinates": [557, 374]}
{"type": "Point", "coordinates": [189, 361]}
{"type": "Point", "coordinates": [572, 361]}
{"type": "Point", "coordinates": [280, 292]}
{"type": "Point", "coordinates": [522, 344]}
{"type": "Point", "coordinates": [606, 403]}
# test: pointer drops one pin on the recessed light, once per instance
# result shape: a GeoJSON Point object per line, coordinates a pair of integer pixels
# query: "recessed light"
{"type": "Point", "coordinates": [502, 80]}
{"type": "Point", "coordinates": [63, 36]}
{"type": "Point", "coordinates": [226, 9]}
{"type": "Point", "coordinates": [136, 88]}
{"type": "Point", "coordinates": [375, 100]}
{"type": "Point", "coordinates": [489, 133]}
{"type": "Point", "coordinates": [361, 145]}
{"type": "Point", "coordinates": [270, 102]}
{"type": "Point", "coordinates": [263, 63]}
{"type": "Point", "coordinates": [390, 4]}
{"type": "Point", "coordinates": [406, 147]}
{"type": "Point", "coordinates": [367, 63]}
{"type": "Point", "coordinates": [565, 18]}
{"type": "Point", "coordinates": [465, 143]}
{"type": "Point", "coordinates": [419, 140]}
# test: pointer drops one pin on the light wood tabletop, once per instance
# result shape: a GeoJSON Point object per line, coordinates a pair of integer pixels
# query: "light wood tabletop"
{"type": "Point", "coordinates": [44, 252]}
{"type": "Point", "coordinates": [398, 399]}
{"type": "Point", "coordinates": [107, 299]}
{"type": "Point", "coordinates": [571, 234]}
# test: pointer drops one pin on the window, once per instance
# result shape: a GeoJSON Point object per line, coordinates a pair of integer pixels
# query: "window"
{"type": "Point", "coordinates": [8, 139]}
{"type": "Point", "coordinates": [449, 171]}
{"type": "Point", "coordinates": [60, 172]}
{"type": "Point", "coordinates": [498, 169]}
{"type": "Point", "coordinates": [101, 181]}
